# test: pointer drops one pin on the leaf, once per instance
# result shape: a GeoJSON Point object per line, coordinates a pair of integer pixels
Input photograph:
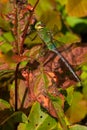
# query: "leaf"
{"type": "Point", "coordinates": [32, 40]}
{"type": "Point", "coordinates": [85, 90]}
{"type": "Point", "coordinates": [54, 21]}
{"type": "Point", "coordinates": [42, 81]}
{"type": "Point", "coordinates": [70, 92]}
{"type": "Point", "coordinates": [24, 97]}
{"type": "Point", "coordinates": [43, 6]}
{"type": "Point", "coordinates": [4, 104]}
{"type": "Point", "coordinates": [5, 114]}
{"type": "Point", "coordinates": [40, 120]}
{"type": "Point", "coordinates": [39, 84]}
{"type": "Point", "coordinates": [79, 25]}
{"type": "Point", "coordinates": [10, 122]}
{"type": "Point", "coordinates": [46, 103]}
{"type": "Point", "coordinates": [25, 126]}
{"type": "Point", "coordinates": [46, 80]}
{"type": "Point", "coordinates": [34, 52]}
{"type": "Point", "coordinates": [75, 54]}
{"type": "Point", "coordinates": [72, 21]}
{"type": "Point", "coordinates": [69, 38]}
{"type": "Point", "coordinates": [4, 1]}
{"type": "Point", "coordinates": [76, 8]}
{"type": "Point", "coordinates": [4, 25]}
{"type": "Point", "coordinates": [7, 76]}
{"type": "Point", "coordinates": [63, 2]}
{"type": "Point", "coordinates": [4, 6]}
{"type": "Point", "coordinates": [78, 108]}
{"type": "Point", "coordinates": [84, 77]}
{"type": "Point", "coordinates": [6, 38]}
{"type": "Point", "coordinates": [78, 127]}
{"type": "Point", "coordinates": [60, 113]}
{"type": "Point", "coordinates": [5, 47]}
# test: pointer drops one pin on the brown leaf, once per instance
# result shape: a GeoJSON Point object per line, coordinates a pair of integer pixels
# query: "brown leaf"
{"type": "Point", "coordinates": [47, 104]}
{"type": "Point", "coordinates": [18, 58]}
{"type": "Point", "coordinates": [54, 75]}
{"type": "Point", "coordinates": [75, 55]}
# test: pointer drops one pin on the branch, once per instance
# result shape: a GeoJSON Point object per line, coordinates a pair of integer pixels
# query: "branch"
{"type": "Point", "coordinates": [26, 27]}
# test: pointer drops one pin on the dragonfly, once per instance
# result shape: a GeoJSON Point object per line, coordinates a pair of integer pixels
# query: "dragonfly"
{"type": "Point", "coordinates": [46, 36]}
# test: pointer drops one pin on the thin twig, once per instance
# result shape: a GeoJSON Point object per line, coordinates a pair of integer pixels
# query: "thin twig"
{"type": "Point", "coordinates": [26, 27]}
{"type": "Point", "coordinates": [35, 5]}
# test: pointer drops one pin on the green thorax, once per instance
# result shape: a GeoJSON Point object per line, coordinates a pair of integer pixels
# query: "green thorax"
{"type": "Point", "coordinates": [46, 37]}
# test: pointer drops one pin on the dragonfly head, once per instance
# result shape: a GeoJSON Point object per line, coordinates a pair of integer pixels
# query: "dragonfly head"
{"type": "Point", "coordinates": [39, 26]}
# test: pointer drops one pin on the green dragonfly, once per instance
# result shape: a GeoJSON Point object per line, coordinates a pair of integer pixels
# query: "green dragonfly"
{"type": "Point", "coordinates": [47, 38]}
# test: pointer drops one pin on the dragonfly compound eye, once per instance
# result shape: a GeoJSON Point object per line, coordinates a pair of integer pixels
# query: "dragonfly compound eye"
{"type": "Point", "coordinates": [39, 26]}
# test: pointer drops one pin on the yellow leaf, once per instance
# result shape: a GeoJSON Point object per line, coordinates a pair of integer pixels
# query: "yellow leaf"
{"type": "Point", "coordinates": [77, 8]}
{"type": "Point", "coordinates": [3, 1]}
{"type": "Point", "coordinates": [78, 108]}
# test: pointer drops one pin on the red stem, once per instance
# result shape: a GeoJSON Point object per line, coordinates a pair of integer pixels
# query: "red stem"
{"type": "Point", "coordinates": [26, 27]}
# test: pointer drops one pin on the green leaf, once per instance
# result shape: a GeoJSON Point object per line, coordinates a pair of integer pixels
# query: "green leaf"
{"type": "Point", "coordinates": [5, 47]}
{"type": "Point", "coordinates": [61, 116]}
{"type": "Point", "coordinates": [25, 126]}
{"type": "Point", "coordinates": [78, 108]}
{"type": "Point", "coordinates": [85, 90]}
{"type": "Point", "coordinates": [69, 38]}
{"type": "Point", "coordinates": [84, 67]}
{"type": "Point", "coordinates": [62, 2]}
{"type": "Point", "coordinates": [40, 120]}
{"type": "Point", "coordinates": [69, 97]}
{"type": "Point", "coordinates": [78, 24]}
{"type": "Point", "coordinates": [84, 78]}
{"type": "Point", "coordinates": [72, 21]}
{"type": "Point", "coordinates": [6, 38]}
{"type": "Point", "coordinates": [78, 127]}
{"type": "Point", "coordinates": [45, 79]}
{"type": "Point", "coordinates": [84, 75]}
{"type": "Point", "coordinates": [4, 104]}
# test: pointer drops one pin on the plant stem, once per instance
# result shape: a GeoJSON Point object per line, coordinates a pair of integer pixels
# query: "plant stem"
{"type": "Point", "coordinates": [26, 27]}
{"type": "Point", "coordinates": [16, 87]}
